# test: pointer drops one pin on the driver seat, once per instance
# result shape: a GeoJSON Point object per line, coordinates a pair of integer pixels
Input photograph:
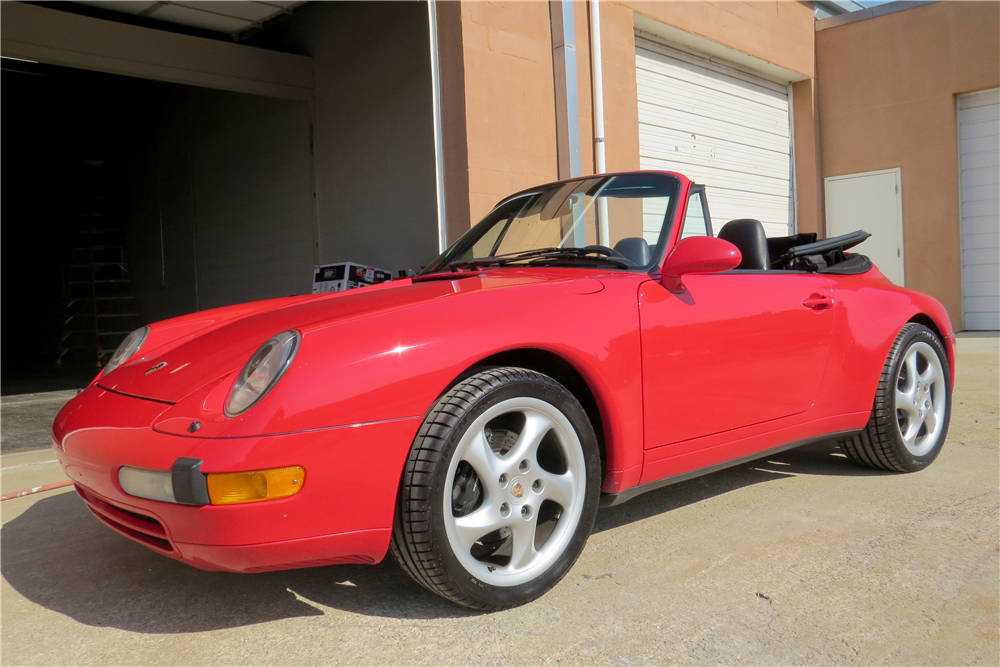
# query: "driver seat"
{"type": "Point", "coordinates": [748, 235]}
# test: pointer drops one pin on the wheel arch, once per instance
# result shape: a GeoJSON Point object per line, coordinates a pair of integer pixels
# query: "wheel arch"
{"type": "Point", "coordinates": [927, 321]}
{"type": "Point", "coordinates": [559, 369]}
{"type": "Point", "coordinates": [942, 332]}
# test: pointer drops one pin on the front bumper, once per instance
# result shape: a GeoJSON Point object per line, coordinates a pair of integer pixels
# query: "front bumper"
{"type": "Point", "coordinates": [343, 514]}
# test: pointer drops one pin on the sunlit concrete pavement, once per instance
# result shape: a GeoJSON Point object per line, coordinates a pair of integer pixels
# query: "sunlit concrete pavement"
{"type": "Point", "coordinates": [803, 558]}
{"type": "Point", "coordinates": [26, 419]}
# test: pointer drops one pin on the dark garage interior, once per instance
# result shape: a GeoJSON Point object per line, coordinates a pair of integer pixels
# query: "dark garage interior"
{"type": "Point", "coordinates": [65, 154]}
{"type": "Point", "coordinates": [127, 201]}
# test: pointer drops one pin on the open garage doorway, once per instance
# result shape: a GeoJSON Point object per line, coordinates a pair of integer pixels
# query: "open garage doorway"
{"type": "Point", "coordinates": [193, 171]}
{"type": "Point", "coordinates": [128, 201]}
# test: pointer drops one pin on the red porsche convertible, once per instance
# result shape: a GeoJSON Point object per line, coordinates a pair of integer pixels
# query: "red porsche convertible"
{"type": "Point", "coordinates": [588, 340]}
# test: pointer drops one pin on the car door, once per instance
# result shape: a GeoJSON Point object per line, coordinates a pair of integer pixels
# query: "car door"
{"type": "Point", "coordinates": [734, 349]}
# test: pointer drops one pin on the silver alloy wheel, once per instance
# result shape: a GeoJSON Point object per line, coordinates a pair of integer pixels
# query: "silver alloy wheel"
{"type": "Point", "coordinates": [514, 487]}
{"type": "Point", "coordinates": [921, 399]}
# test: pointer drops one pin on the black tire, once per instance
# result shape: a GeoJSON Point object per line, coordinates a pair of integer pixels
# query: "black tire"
{"type": "Point", "coordinates": [881, 444]}
{"type": "Point", "coordinates": [420, 543]}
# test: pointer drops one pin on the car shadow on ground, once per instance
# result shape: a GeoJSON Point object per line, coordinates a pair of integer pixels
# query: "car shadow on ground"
{"type": "Point", "coordinates": [823, 458]}
{"type": "Point", "coordinates": [57, 555]}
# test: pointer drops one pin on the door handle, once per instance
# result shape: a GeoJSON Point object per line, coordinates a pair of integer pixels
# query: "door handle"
{"type": "Point", "coordinates": [818, 302]}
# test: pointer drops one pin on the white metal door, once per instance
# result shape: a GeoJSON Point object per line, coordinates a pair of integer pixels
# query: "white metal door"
{"type": "Point", "coordinates": [979, 156]}
{"type": "Point", "coordinates": [718, 126]}
{"type": "Point", "coordinates": [872, 201]}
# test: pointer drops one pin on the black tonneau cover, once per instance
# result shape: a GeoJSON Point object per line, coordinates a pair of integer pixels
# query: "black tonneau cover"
{"type": "Point", "coordinates": [824, 246]}
{"type": "Point", "coordinates": [825, 256]}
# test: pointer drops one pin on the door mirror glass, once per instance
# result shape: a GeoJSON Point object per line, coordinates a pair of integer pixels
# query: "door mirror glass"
{"type": "Point", "coordinates": [698, 254]}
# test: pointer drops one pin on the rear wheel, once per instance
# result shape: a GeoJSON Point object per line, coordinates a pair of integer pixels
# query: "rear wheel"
{"type": "Point", "coordinates": [909, 421]}
{"type": "Point", "coordinates": [500, 490]}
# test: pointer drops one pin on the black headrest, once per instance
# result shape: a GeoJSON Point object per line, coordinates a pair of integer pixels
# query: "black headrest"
{"type": "Point", "coordinates": [635, 249]}
{"type": "Point", "coordinates": [748, 235]}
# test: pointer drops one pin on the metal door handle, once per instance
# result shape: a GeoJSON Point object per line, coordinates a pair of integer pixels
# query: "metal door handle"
{"type": "Point", "coordinates": [818, 302]}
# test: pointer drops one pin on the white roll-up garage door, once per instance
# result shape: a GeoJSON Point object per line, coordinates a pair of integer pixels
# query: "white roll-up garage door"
{"type": "Point", "coordinates": [979, 140]}
{"type": "Point", "coordinates": [718, 126]}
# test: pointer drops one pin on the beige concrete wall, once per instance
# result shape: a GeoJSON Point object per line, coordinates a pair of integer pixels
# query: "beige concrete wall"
{"type": "Point", "coordinates": [887, 90]}
{"type": "Point", "coordinates": [621, 105]}
{"type": "Point", "coordinates": [509, 101]}
{"type": "Point", "coordinates": [499, 97]}
{"type": "Point", "coordinates": [780, 31]}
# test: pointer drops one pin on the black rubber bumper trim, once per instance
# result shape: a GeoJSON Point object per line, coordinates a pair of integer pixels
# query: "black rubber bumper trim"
{"type": "Point", "coordinates": [190, 484]}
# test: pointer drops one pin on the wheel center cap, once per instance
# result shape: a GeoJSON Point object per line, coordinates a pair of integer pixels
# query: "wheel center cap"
{"type": "Point", "coordinates": [518, 490]}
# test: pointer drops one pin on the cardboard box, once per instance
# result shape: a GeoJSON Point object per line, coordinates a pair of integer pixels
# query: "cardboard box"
{"type": "Point", "coordinates": [346, 275]}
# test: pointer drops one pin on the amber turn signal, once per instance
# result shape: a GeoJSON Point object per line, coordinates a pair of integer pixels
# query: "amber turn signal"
{"type": "Point", "coordinates": [231, 488]}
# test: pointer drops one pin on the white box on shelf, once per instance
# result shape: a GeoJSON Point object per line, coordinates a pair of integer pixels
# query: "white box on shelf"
{"type": "Point", "coordinates": [346, 275]}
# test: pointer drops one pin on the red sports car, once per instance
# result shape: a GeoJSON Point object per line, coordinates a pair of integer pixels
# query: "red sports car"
{"type": "Point", "coordinates": [588, 340]}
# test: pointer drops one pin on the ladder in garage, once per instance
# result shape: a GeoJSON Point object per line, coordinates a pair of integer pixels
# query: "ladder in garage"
{"type": "Point", "coordinates": [100, 307]}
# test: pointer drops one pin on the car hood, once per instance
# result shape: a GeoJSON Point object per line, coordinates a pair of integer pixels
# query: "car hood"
{"type": "Point", "coordinates": [171, 371]}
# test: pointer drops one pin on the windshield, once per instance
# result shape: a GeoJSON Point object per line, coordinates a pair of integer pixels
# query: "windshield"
{"type": "Point", "coordinates": [618, 222]}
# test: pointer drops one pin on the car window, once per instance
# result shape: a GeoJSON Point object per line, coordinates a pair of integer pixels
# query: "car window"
{"type": "Point", "coordinates": [694, 220]}
{"type": "Point", "coordinates": [564, 217]}
{"type": "Point", "coordinates": [653, 213]}
{"type": "Point", "coordinates": [592, 214]}
{"type": "Point", "coordinates": [484, 246]}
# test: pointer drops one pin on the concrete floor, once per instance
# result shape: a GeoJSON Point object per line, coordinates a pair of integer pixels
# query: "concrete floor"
{"type": "Point", "coordinates": [803, 558]}
{"type": "Point", "coordinates": [26, 419]}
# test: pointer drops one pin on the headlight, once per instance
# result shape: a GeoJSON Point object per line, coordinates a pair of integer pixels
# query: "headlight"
{"type": "Point", "coordinates": [152, 484]}
{"type": "Point", "coordinates": [262, 372]}
{"type": "Point", "coordinates": [129, 347]}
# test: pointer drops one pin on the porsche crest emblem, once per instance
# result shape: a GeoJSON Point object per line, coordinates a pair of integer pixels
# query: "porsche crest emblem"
{"type": "Point", "coordinates": [517, 490]}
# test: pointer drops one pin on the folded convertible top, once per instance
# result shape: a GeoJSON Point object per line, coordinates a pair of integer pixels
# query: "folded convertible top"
{"type": "Point", "coordinates": [827, 245]}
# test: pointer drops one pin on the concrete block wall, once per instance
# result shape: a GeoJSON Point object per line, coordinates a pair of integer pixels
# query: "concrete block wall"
{"type": "Point", "coordinates": [887, 89]}
{"type": "Point", "coordinates": [372, 129]}
{"type": "Point", "coordinates": [219, 209]}
{"type": "Point", "coordinates": [498, 89]}
{"type": "Point", "coordinates": [509, 102]}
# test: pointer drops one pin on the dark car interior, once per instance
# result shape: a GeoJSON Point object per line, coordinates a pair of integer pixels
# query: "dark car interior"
{"type": "Point", "coordinates": [799, 252]}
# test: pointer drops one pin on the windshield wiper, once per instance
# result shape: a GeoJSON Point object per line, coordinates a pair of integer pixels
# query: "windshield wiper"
{"type": "Point", "coordinates": [582, 256]}
{"type": "Point", "coordinates": [498, 260]}
{"type": "Point", "coordinates": [543, 256]}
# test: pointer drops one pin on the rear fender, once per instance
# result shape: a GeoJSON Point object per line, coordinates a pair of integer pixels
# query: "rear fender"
{"type": "Point", "coordinates": [868, 322]}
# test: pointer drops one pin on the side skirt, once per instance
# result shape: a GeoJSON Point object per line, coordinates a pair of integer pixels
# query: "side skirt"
{"type": "Point", "coordinates": [612, 499]}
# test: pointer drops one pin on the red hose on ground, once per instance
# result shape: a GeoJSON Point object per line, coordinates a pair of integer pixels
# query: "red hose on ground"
{"type": "Point", "coordinates": [37, 489]}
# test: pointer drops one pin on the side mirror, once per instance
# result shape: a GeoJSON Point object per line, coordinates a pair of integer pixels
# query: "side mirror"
{"type": "Point", "coordinates": [698, 254]}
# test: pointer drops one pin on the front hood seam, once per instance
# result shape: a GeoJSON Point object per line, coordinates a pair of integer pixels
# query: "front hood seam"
{"type": "Point", "coordinates": [141, 398]}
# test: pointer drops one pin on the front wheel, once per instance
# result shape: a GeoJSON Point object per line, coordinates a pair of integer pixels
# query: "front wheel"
{"type": "Point", "coordinates": [909, 421]}
{"type": "Point", "coordinates": [500, 490]}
